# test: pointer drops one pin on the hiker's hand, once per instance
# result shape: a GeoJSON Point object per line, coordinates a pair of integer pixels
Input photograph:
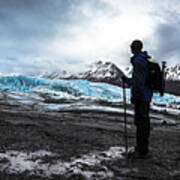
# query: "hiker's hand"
{"type": "Point", "coordinates": [123, 77]}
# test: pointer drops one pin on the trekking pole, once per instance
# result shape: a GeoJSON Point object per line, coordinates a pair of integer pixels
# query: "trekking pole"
{"type": "Point", "coordinates": [163, 81]}
{"type": "Point", "coordinates": [125, 119]}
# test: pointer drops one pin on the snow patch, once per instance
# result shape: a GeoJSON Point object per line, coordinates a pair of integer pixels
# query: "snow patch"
{"type": "Point", "coordinates": [19, 162]}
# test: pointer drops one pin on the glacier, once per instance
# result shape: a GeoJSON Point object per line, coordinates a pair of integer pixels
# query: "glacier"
{"type": "Point", "coordinates": [78, 90]}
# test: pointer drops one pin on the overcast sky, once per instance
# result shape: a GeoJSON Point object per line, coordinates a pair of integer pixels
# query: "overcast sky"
{"type": "Point", "coordinates": [49, 35]}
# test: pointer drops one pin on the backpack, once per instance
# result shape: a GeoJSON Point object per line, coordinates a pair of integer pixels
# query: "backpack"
{"type": "Point", "coordinates": [156, 80]}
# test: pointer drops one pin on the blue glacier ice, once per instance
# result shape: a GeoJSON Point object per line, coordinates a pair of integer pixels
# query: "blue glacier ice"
{"type": "Point", "coordinates": [75, 88]}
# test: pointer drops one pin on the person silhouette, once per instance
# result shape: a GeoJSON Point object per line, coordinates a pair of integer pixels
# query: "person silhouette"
{"type": "Point", "coordinates": [141, 96]}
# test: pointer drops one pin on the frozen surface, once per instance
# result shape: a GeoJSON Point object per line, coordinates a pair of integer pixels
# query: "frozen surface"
{"type": "Point", "coordinates": [19, 162]}
{"type": "Point", "coordinates": [77, 93]}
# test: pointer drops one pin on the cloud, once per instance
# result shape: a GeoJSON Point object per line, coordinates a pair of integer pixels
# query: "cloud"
{"type": "Point", "coordinates": [26, 27]}
{"type": "Point", "coordinates": [25, 22]}
{"type": "Point", "coordinates": [102, 34]}
{"type": "Point", "coordinates": [166, 35]}
{"type": "Point", "coordinates": [66, 34]}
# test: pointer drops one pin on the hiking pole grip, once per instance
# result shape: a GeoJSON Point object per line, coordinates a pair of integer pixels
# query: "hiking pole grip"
{"type": "Point", "coordinates": [125, 118]}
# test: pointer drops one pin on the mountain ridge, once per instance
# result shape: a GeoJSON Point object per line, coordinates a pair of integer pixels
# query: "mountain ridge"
{"type": "Point", "coordinates": [109, 73]}
{"type": "Point", "coordinates": [97, 72]}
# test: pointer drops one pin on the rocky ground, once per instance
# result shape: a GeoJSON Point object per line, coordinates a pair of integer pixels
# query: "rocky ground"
{"type": "Point", "coordinates": [84, 135]}
{"type": "Point", "coordinates": [173, 87]}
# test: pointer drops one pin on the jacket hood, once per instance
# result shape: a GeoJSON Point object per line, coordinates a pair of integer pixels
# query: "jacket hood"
{"type": "Point", "coordinates": [144, 55]}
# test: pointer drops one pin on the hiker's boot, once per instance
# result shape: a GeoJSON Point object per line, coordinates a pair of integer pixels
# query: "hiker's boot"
{"type": "Point", "coordinates": [137, 154]}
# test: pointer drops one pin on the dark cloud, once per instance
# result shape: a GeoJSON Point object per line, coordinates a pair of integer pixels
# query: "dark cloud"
{"type": "Point", "coordinates": [24, 19]}
{"type": "Point", "coordinates": [167, 37]}
{"type": "Point", "coordinates": [26, 25]}
{"type": "Point", "coordinates": [29, 20]}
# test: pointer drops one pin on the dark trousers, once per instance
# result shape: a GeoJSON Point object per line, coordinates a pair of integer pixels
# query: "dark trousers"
{"type": "Point", "coordinates": [142, 123]}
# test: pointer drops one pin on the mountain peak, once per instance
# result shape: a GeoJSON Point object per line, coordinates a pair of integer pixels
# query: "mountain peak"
{"type": "Point", "coordinates": [173, 73]}
{"type": "Point", "coordinates": [103, 72]}
{"type": "Point", "coordinates": [98, 71]}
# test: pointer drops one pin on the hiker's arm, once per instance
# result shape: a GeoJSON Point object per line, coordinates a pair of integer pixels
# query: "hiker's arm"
{"type": "Point", "coordinates": [128, 81]}
{"type": "Point", "coordinates": [139, 80]}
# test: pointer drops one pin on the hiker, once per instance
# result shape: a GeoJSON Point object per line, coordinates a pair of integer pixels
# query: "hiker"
{"type": "Point", "coordinates": [141, 96]}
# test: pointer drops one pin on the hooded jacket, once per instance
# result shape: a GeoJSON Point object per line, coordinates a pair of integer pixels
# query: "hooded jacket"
{"type": "Point", "coordinates": [140, 92]}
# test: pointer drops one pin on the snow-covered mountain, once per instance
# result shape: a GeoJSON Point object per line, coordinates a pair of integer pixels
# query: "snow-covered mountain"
{"type": "Point", "coordinates": [173, 73]}
{"type": "Point", "coordinates": [173, 79]}
{"type": "Point", "coordinates": [102, 72]}
{"type": "Point", "coordinates": [172, 76]}
{"type": "Point", "coordinates": [96, 72]}
{"type": "Point", "coordinates": [109, 73]}
{"type": "Point", "coordinates": [54, 75]}
{"type": "Point", "coordinates": [128, 71]}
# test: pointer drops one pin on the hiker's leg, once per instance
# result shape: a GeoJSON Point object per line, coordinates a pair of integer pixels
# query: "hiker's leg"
{"type": "Point", "coordinates": [142, 122]}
